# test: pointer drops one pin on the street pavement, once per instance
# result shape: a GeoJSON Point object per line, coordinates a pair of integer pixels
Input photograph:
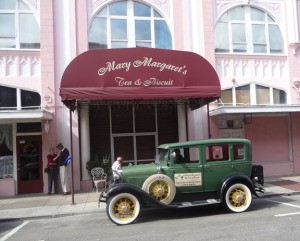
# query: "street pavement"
{"type": "Point", "coordinates": [33, 206]}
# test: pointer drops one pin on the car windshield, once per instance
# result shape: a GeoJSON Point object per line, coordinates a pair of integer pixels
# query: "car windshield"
{"type": "Point", "coordinates": [164, 155]}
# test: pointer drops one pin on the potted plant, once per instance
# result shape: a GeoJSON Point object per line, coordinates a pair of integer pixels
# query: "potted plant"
{"type": "Point", "coordinates": [95, 162]}
{"type": "Point", "coordinates": [106, 165]}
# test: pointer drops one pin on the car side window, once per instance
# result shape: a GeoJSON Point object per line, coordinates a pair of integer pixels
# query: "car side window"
{"type": "Point", "coordinates": [216, 153]}
{"type": "Point", "coordinates": [186, 155]}
{"type": "Point", "coordinates": [238, 152]}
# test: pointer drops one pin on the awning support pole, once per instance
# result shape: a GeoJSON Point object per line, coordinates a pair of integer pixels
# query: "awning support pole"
{"type": "Point", "coordinates": [208, 122]}
{"type": "Point", "coordinates": [71, 143]}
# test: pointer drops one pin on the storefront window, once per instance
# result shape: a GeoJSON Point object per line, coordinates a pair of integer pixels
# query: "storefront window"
{"type": "Point", "coordinates": [279, 96]}
{"type": "Point", "coordinates": [246, 29]}
{"type": "Point", "coordinates": [262, 95]}
{"type": "Point", "coordinates": [243, 94]}
{"type": "Point", "coordinates": [30, 100]}
{"type": "Point", "coordinates": [6, 151]}
{"type": "Point", "coordinates": [226, 96]}
{"type": "Point", "coordinates": [18, 26]}
{"type": "Point", "coordinates": [117, 26]}
{"type": "Point", "coordinates": [9, 99]}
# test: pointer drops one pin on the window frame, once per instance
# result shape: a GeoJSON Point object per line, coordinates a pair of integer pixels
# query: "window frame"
{"type": "Point", "coordinates": [17, 12]}
{"type": "Point", "coordinates": [253, 96]}
{"type": "Point", "coordinates": [130, 19]}
{"type": "Point", "coordinates": [248, 22]}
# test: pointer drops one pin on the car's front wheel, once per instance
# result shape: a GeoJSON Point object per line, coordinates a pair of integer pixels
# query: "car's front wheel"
{"type": "Point", "coordinates": [123, 208]}
{"type": "Point", "coordinates": [238, 197]}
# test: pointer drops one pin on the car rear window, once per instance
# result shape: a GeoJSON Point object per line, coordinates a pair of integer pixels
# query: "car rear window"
{"type": "Point", "coordinates": [217, 153]}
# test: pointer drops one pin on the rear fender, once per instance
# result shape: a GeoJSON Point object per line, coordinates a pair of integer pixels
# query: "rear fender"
{"type": "Point", "coordinates": [136, 191]}
{"type": "Point", "coordinates": [236, 178]}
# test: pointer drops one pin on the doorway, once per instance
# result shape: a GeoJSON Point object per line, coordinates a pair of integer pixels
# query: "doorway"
{"type": "Point", "coordinates": [29, 164]}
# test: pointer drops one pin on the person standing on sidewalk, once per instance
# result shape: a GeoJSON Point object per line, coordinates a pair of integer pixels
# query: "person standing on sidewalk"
{"type": "Point", "coordinates": [64, 169]}
{"type": "Point", "coordinates": [117, 169]}
{"type": "Point", "coordinates": [53, 170]}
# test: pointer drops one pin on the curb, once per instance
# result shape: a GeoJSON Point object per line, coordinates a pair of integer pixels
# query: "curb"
{"type": "Point", "coordinates": [4, 220]}
{"type": "Point", "coordinates": [279, 194]}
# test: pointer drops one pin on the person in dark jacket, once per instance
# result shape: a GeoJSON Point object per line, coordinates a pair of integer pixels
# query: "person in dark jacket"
{"type": "Point", "coordinates": [64, 168]}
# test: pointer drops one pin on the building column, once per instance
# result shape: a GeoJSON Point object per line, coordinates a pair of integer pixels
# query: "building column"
{"type": "Point", "coordinates": [181, 123]}
{"type": "Point", "coordinates": [84, 141]}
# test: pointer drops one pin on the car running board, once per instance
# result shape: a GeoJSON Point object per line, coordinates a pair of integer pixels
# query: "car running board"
{"type": "Point", "coordinates": [195, 203]}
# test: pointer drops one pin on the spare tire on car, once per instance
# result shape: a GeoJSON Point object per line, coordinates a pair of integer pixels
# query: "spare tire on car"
{"type": "Point", "coordinates": [160, 187]}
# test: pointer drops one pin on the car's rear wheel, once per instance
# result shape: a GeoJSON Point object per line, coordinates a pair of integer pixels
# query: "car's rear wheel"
{"type": "Point", "coordinates": [161, 187]}
{"type": "Point", "coordinates": [238, 197]}
{"type": "Point", "coordinates": [123, 208]}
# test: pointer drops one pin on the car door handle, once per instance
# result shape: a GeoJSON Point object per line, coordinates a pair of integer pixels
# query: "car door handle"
{"type": "Point", "coordinates": [203, 166]}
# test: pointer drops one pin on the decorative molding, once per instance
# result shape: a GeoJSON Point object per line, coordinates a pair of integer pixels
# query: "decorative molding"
{"type": "Point", "coordinates": [162, 4]}
{"type": "Point", "coordinates": [295, 47]}
{"type": "Point", "coordinates": [96, 3]}
{"type": "Point", "coordinates": [224, 4]}
{"type": "Point", "coordinates": [274, 8]}
{"type": "Point", "coordinates": [18, 60]}
{"type": "Point", "coordinates": [33, 3]}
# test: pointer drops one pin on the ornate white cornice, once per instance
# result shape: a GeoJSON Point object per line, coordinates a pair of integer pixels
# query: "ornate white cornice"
{"type": "Point", "coordinates": [164, 5]}
{"type": "Point", "coordinates": [274, 8]}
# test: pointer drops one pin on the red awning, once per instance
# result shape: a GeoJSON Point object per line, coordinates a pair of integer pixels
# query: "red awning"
{"type": "Point", "coordinates": [139, 74]}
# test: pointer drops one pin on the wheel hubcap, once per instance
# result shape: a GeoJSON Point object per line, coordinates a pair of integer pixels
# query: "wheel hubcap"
{"type": "Point", "coordinates": [160, 190]}
{"type": "Point", "coordinates": [238, 197]}
{"type": "Point", "coordinates": [124, 208]}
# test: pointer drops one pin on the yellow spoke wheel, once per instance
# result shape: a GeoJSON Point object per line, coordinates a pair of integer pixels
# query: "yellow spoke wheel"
{"type": "Point", "coordinates": [123, 208]}
{"type": "Point", "coordinates": [160, 190]}
{"type": "Point", "coordinates": [238, 197]}
{"type": "Point", "coordinates": [160, 187]}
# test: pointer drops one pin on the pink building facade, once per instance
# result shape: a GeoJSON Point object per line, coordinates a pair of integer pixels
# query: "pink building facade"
{"type": "Point", "coordinates": [252, 44]}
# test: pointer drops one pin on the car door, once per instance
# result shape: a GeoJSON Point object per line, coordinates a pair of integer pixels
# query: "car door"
{"type": "Point", "coordinates": [220, 160]}
{"type": "Point", "coordinates": [187, 175]}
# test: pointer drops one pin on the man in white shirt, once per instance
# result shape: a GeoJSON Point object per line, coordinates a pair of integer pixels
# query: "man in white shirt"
{"type": "Point", "coordinates": [117, 169]}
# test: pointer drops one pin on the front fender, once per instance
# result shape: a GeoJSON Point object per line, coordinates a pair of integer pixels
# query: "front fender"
{"type": "Point", "coordinates": [136, 191]}
{"type": "Point", "coordinates": [236, 178]}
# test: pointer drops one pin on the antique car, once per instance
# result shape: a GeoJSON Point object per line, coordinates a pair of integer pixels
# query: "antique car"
{"type": "Point", "coordinates": [184, 175]}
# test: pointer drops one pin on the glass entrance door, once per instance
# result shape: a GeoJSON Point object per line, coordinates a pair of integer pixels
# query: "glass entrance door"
{"type": "Point", "coordinates": [29, 160]}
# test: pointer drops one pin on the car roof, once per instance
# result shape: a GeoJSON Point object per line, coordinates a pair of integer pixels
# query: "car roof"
{"type": "Point", "coordinates": [203, 142]}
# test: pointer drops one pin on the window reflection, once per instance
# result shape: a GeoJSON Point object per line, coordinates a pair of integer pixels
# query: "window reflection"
{"type": "Point", "coordinates": [118, 29]}
{"type": "Point", "coordinates": [275, 39]}
{"type": "Point", "coordinates": [142, 30]}
{"type": "Point", "coordinates": [118, 8]}
{"type": "Point", "coordinates": [29, 32]}
{"type": "Point", "coordinates": [141, 10]}
{"type": "Point", "coordinates": [97, 34]}
{"type": "Point", "coordinates": [162, 35]}
{"type": "Point", "coordinates": [8, 5]}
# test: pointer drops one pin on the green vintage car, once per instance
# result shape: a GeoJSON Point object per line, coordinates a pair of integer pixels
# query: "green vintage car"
{"type": "Point", "coordinates": [184, 175]}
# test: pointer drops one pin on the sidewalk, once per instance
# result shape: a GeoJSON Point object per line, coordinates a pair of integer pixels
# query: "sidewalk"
{"type": "Point", "coordinates": [29, 206]}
